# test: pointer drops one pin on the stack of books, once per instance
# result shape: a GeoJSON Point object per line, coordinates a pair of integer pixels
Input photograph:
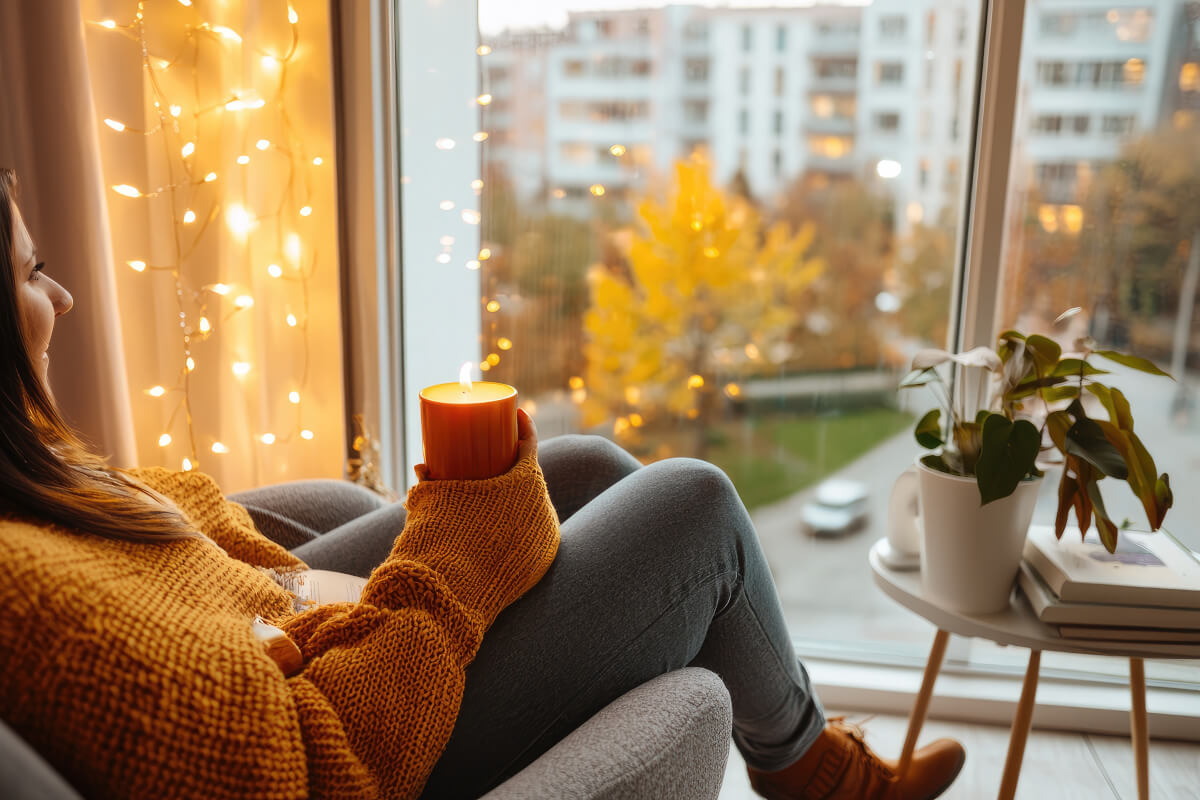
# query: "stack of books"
{"type": "Point", "coordinates": [1147, 593]}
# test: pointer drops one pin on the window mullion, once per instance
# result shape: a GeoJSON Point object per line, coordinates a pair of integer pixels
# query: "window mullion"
{"type": "Point", "coordinates": [981, 266]}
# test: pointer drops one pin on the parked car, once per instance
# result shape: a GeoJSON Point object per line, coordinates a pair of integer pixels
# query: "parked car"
{"type": "Point", "coordinates": [838, 507]}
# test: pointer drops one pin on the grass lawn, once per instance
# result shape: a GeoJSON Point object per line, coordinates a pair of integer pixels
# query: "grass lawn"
{"type": "Point", "coordinates": [771, 457]}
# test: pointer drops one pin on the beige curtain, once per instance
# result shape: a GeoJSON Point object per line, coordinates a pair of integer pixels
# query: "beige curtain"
{"type": "Point", "coordinates": [178, 171]}
{"type": "Point", "coordinates": [48, 134]}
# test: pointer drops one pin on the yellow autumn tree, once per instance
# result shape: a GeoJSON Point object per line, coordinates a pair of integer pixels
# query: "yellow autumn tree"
{"type": "Point", "coordinates": [709, 295]}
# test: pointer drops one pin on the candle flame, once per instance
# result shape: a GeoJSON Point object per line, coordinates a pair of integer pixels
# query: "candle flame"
{"type": "Point", "coordinates": [464, 376]}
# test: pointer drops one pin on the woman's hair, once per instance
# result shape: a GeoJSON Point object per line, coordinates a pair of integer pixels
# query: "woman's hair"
{"type": "Point", "coordinates": [45, 471]}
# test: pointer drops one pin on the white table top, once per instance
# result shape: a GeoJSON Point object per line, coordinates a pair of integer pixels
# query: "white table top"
{"type": "Point", "coordinates": [1017, 625]}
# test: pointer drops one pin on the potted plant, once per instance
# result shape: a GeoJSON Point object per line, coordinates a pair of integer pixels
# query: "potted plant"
{"type": "Point", "coordinates": [979, 486]}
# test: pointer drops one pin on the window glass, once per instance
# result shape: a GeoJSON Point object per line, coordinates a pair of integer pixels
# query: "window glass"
{"type": "Point", "coordinates": [1103, 216]}
{"type": "Point", "coordinates": [691, 268]}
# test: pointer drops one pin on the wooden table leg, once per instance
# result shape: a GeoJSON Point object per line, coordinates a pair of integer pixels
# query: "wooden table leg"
{"type": "Point", "coordinates": [921, 706]}
{"type": "Point", "coordinates": [1138, 730]}
{"type": "Point", "coordinates": [1020, 728]}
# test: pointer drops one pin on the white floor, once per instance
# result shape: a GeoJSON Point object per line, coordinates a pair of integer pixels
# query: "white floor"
{"type": "Point", "coordinates": [1057, 765]}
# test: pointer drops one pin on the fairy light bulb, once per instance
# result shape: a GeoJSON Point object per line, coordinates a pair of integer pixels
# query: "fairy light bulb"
{"type": "Point", "coordinates": [239, 220]}
{"type": "Point", "coordinates": [483, 99]}
{"type": "Point", "coordinates": [185, 3]}
{"type": "Point", "coordinates": [114, 124]}
{"type": "Point", "coordinates": [470, 216]}
{"type": "Point", "coordinates": [477, 184]}
{"type": "Point", "coordinates": [504, 344]}
{"type": "Point", "coordinates": [444, 143]}
{"type": "Point", "coordinates": [263, 144]}
{"type": "Point", "coordinates": [292, 247]}
{"type": "Point", "coordinates": [243, 159]}
{"type": "Point", "coordinates": [137, 266]}
{"type": "Point", "coordinates": [293, 17]}
{"type": "Point", "coordinates": [219, 448]}
{"type": "Point", "coordinates": [318, 161]}
{"type": "Point", "coordinates": [446, 205]}
{"type": "Point", "coordinates": [187, 149]}
{"type": "Point", "coordinates": [164, 440]}
{"type": "Point", "coordinates": [274, 270]}
{"type": "Point", "coordinates": [226, 33]}
{"type": "Point", "coordinates": [219, 288]}
{"type": "Point", "coordinates": [306, 434]}
{"type": "Point", "coordinates": [305, 211]}
{"type": "Point", "coordinates": [190, 364]}
{"type": "Point", "coordinates": [189, 217]}
{"type": "Point", "coordinates": [156, 391]}
{"type": "Point", "coordinates": [267, 438]}
{"type": "Point", "coordinates": [241, 368]}
{"type": "Point", "coordinates": [243, 301]}
{"type": "Point", "coordinates": [472, 264]}
{"type": "Point", "coordinates": [483, 50]}
{"type": "Point", "coordinates": [485, 253]}
{"type": "Point", "coordinates": [446, 240]}
{"type": "Point", "coordinates": [269, 62]}
{"type": "Point", "coordinates": [443, 258]}
{"type": "Point", "coordinates": [205, 326]}
{"type": "Point", "coordinates": [126, 190]}
{"type": "Point", "coordinates": [291, 320]}
{"type": "Point", "coordinates": [175, 110]}
{"type": "Point", "coordinates": [480, 136]}
{"type": "Point", "coordinates": [108, 23]}
{"type": "Point", "coordinates": [294, 398]}
{"type": "Point", "coordinates": [210, 177]}
{"type": "Point", "coordinates": [187, 465]}
{"type": "Point", "coordinates": [493, 306]}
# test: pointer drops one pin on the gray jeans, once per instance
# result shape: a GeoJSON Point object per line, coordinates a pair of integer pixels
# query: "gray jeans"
{"type": "Point", "coordinates": [659, 568]}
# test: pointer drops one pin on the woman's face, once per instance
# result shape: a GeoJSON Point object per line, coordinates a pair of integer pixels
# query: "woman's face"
{"type": "Point", "coordinates": [39, 298]}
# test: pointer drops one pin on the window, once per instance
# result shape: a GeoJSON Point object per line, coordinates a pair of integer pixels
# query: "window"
{"type": "Point", "coordinates": [1056, 124]}
{"type": "Point", "coordinates": [780, 38]}
{"type": "Point", "coordinates": [887, 121]}
{"type": "Point", "coordinates": [696, 69]}
{"type": "Point", "coordinates": [574, 68]}
{"type": "Point", "coordinates": [695, 110]}
{"type": "Point", "coordinates": [834, 147]}
{"type": "Point", "coordinates": [889, 73]}
{"type": "Point", "coordinates": [695, 31]}
{"type": "Point", "coordinates": [1092, 74]}
{"type": "Point", "coordinates": [828, 68]}
{"type": "Point", "coordinates": [779, 81]}
{"type": "Point", "coordinates": [777, 163]}
{"type": "Point", "coordinates": [777, 122]}
{"type": "Point", "coordinates": [1078, 234]}
{"type": "Point", "coordinates": [892, 26]}
{"type": "Point", "coordinates": [1189, 76]}
{"type": "Point", "coordinates": [747, 38]}
{"type": "Point", "coordinates": [743, 122]}
{"type": "Point", "coordinates": [1117, 124]}
{"type": "Point", "coordinates": [923, 173]}
{"type": "Point", "coordinates": [744, 81]}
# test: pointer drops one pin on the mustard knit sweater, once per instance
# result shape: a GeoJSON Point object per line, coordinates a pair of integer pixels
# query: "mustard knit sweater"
{"type": "Point", "coordinates": [132, 668]}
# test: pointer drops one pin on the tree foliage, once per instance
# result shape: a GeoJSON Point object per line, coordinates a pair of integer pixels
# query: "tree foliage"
{"type": "Point", "coordinates": [709, 292]}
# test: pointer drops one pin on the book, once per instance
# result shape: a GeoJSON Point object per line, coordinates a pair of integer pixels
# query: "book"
{"type": "Point", "coordinates": [1053, 611]}
{"type": "Point", "coordinates": [321, 586]}
{"type": "Point", "coordinates": [1148, 569]}
{"type": "Point", "coordinates": [1128, 634]}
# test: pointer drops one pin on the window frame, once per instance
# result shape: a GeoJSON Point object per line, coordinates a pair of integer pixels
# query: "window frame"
{"type": "Point", "coordinates": [977, 276]}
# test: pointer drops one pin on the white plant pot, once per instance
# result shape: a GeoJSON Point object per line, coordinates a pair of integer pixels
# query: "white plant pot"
{"type": "Point", "coordinates": [971, 553]}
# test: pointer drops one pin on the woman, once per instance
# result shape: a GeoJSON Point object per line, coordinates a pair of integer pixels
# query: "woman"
{"type": "Point", "coordinates": [127, 656]}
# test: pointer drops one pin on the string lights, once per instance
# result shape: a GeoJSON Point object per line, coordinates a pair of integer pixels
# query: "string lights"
{"type": "Point", "coordinates": [189, 137]}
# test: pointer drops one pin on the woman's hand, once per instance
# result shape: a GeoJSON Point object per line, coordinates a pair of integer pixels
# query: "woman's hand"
{"type": "Point", "coordinates": [526, 443]}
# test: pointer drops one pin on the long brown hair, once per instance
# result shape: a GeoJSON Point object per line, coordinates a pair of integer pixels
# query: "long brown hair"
{"type": "Point", "coordinates": [45, 470]}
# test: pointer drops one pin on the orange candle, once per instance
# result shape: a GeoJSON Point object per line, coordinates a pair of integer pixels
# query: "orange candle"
{"type": "Point", "coordinates": [469, 429]}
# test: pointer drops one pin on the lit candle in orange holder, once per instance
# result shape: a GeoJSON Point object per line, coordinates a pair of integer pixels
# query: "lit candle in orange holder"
{"type": "Point", "coordinates": [469, 430]}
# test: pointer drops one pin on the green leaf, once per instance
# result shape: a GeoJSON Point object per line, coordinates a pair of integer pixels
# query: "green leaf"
{"type": "Point", "coordinates": [1133, 362]}
{"type": "Point", "coordinates": [1030, 387]}
{"type": "Point", "coordinates": [1058, 423]}
{"type": "Point", "coordinates": [1086, 440]}
{"type": "Point", "coordinates": [1073, 367]}
{"type": "Point", "coordinates": [919, 377]}
{"type": "Point", "coordinates": [1008, 455]}
{"type": "Point", "coordinates": [929, 430]}
{"type": "Point", "coordinates": [1058, 393]}
{"type": "Point", "coordinates": [1045, 351]}
{"type": "Point", "coordinates": [1108, 530]}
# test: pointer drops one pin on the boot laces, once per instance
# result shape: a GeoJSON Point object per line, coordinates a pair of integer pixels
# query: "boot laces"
{"type": "Point", "coordinates": [861, 752]}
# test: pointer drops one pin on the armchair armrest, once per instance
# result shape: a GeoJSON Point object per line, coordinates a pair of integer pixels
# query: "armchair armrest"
{"type": "Point", "coordinates": [668, 737]}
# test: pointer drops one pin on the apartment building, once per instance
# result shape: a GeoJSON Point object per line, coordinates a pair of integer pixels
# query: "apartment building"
{"type": "Point", "coordinates": [882, 92]}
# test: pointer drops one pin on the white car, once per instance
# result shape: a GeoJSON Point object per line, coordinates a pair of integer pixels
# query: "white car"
{"type": "Point", "coordinates": [838, 507]}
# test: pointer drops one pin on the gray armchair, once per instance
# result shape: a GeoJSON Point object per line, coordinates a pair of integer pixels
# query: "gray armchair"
{"type": "Point", "coordinates": [668, 737]}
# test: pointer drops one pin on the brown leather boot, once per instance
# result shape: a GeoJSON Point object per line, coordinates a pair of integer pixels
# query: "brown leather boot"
{"type": "Point", "coordinates": [840, 766]}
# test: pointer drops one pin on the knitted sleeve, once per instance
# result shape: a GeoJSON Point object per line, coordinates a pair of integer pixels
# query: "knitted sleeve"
{"type": "Point", "coordinates": [224, 521]}
{"type": "Point", "coordinates": [391, 666]}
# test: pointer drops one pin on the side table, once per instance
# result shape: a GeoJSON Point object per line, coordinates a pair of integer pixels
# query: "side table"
{"type": "Point", "coordinates": [1018, 626]}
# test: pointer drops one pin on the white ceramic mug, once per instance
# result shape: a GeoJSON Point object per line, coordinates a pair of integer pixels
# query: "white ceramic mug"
{"type": "Point", "coordinates": [903, 550]}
